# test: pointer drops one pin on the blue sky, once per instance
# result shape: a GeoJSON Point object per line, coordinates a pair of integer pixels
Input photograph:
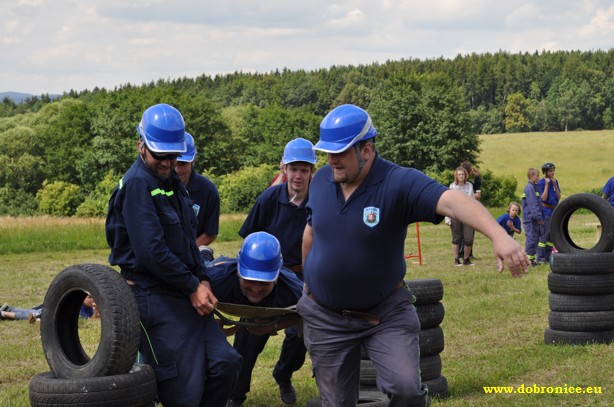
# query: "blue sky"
{"type": "Point", "coordinates": [53, 46]}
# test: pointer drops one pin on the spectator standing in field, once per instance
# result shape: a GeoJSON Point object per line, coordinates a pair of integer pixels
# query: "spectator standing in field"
{"type": "Point", "coordinates": [459, 230]}
{"type": "Point", "coordinates": [550, 193]}
{"type": "Point", "coordinates": [281, 211]}
{"type": "Point", "coordinates": [151, 230]}
{"type": "Point", "coordinates": [533, 218]}
{"type": "Point", "coordinates": [510, 220]}
{"type": "Point", "coordinates": [204, 195]}
{"type": "Point", "coordinates": [608, 191]}
{"type": "Point", "coordinates": [354, 296]}
{"type": "Point", "coordinates": [256, 277]}
{"type": "Point", "coordinates": [477, 185]}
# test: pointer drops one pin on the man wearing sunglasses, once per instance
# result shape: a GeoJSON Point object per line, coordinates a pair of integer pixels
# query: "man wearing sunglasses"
{"type": "Point", "coordinates": [151, 230]}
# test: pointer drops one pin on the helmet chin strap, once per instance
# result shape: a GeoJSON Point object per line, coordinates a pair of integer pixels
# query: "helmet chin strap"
{"type": "Point", "coordinates": [361, 162]}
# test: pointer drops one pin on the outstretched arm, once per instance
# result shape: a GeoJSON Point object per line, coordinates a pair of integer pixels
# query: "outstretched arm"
{"type": "Point", "coordinates": [507, 251]}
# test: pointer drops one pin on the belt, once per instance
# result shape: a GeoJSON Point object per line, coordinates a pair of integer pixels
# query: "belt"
{"type": "Point", "coordinates": [370, 318]}
{"type": "Point", "coordinates": [548, 205]}
{"type": "Point", "coordinates": [296, 268]}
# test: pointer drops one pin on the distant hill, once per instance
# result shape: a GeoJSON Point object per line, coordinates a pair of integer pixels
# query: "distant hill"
{"type": "Point", "coordinates": [20, 97]}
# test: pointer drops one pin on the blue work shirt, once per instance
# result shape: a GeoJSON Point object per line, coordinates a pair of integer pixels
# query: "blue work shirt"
{"type": "Point", "coordinates": [225, 285]}
{"type": "Point", "coordinates": [273, 213]}
{"type": "Point", "coordinates": [532, 210]}
{"type": "Point", "coordinates": [206, 203]}
{"type": "Point", "coordinates": [552, 199]}
{"type": "Point", "coordinates": [356, 258]}
{"type": "Point", "coordinates": [151, 228]}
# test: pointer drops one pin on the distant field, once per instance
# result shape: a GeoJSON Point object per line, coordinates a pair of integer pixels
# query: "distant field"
{"type": "Point", "coordinates": [584, 159]}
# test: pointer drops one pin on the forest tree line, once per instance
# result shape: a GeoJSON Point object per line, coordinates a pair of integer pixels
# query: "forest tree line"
{"type": "Point", "coordinates": [63, 156]}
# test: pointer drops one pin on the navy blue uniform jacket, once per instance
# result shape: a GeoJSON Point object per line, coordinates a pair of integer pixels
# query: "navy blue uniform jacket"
{"type": "Point", "coordinates": [151, 230]}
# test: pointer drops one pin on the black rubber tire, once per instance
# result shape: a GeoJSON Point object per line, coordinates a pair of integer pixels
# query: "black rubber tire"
{"type": "Point", "coordinates": [580, 303]}
{"type": "Point", "coordinates": [559, 223]}
{"type": "Point", "coordinates": [368, 374]}
{"type": "Point", "coordinates": [586, 284]}
{"type": "Point", "coordinates": [438, 387]}
{"type": "Point", "coordinates": [430, 315]}
{"type": "Point", "coordinates": [136, 388]}
{"type": "Point", "coordinates": [119, 319]}
{"type": "Point", "coordinates": [426, 290]}
{"type": "Point", "coordinates": [581, 321]}
{"type": "Point", "coordinates": [582, 263]}
{"type": "Point", "coordinates": [431, 341]}
{"type": "Point", "coordinates": [553, 337]}
{"type": "Point", "coordinates": [430, 367]}
{"type": "Point", "coordinates": [365, 398]}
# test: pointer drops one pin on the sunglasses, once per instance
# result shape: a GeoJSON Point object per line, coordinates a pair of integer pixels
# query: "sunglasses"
{"type": "Point", "coordinates": [163, 157]}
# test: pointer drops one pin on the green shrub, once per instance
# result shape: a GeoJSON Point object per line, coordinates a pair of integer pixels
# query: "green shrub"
{"type": "Point", "coordinates": [58, 198]}
{"type": "Point", "coordinates": [239, 190]}
{"type": "Point", "coordinates": [96, 203]}
{"type": "Point", "coordinates": [17, 202]}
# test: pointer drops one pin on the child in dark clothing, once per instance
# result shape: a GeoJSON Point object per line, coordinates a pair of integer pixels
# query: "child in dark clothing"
{"type": "Point", "coordinates": [510, 221]}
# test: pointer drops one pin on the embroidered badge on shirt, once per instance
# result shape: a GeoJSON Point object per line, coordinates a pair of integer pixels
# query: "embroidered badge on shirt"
{"type": "Point", "coordinates": [196, 208]}
{"type": "Point", "coordinates": [370, 216]}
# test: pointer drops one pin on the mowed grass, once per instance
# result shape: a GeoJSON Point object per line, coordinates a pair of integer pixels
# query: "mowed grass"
{"type": "Point", "coordinates": [493, 325]}
{"type": "Point", "coordinates": [583, 159]}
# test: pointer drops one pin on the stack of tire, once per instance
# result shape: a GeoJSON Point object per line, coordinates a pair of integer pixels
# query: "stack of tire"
{"type": "Point", "coordinates": [430, 310]}
{"type": "Point", "coordinates": [110, 377]}
{"type": "Point", "coordinates": [581, 281]}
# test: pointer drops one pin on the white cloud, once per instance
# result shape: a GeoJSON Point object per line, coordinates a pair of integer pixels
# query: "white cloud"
{"type": "Point", "coordinates": [55, 46]}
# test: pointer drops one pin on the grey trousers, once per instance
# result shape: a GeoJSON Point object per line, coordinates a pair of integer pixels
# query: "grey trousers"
{"type": "Point", "coordinates": [334, 344]}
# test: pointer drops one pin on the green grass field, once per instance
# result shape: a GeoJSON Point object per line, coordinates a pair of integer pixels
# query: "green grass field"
{"type": "Point", "coordinates": [583, 159]}
{"type": "Point", "coordinates": [493, 326]}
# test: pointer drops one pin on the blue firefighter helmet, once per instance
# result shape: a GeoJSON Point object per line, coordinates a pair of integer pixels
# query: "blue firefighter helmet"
{"type": "Point", "coordinates": [299, 149]}
{"type": "Point", "coordinates": [260, 257]}
{"type": "Point", "coordinates": [163, 129]}
{"type": "Point", "coordinates": [343, 127]}
{"type": "Point", "coordinates": [190, 153]}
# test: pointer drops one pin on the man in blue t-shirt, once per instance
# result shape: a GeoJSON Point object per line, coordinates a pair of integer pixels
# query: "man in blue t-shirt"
{"type": "Point", "coordinates": [360, 207]}
{"type": "Point", "coordinates": [256, 277]}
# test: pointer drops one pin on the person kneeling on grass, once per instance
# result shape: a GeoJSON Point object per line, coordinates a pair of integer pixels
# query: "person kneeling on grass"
{"type": "Point", "coordinates": [257, 278]}
{"type": "Point", "coordinates": [88, 310]}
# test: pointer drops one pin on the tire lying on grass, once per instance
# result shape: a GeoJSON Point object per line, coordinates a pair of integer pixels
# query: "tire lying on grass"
{"type": "Point", "coordinates": [431, 341]}
{"type": "Point", "coordinates": [136, 388]}
{"type": "Point", "coordinates": [581, 321]}
{"type": "Point", "coordinates": [559, 223]}
{"type": "Point", "coordinates": [552, 336]}
{"type": "Point", "coordinates": [426, 290]}
{"type": "Point", "coordinates": [580, 303]}
{"type": "Point", "coordinates": [430, 315]}
{"type": "Point", "coordinates": [119, 319]}
{"type": "Point", "coordinates": [582, 263]}
{"type": "Point", "coordinates": [585, 284]}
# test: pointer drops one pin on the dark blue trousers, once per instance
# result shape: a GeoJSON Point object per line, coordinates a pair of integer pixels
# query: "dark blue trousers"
{"type": "Point", "coordinates": [194, 363]}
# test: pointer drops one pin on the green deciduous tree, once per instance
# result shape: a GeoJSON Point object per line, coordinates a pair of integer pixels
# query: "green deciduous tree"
{"type": "Point", "coordinates": [423, 122]}
{"type": "Point", "coordinates": [516, 113]}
